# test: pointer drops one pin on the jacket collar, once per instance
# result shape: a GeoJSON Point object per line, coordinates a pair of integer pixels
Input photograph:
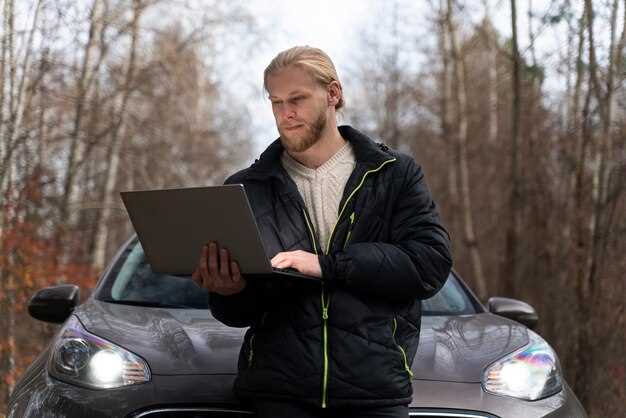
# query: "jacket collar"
{"type": "Point", "coordinates": [368, 154]}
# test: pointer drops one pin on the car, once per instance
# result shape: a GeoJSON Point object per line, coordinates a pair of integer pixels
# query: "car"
{"type": "Point", "coordinates": [145, 345]}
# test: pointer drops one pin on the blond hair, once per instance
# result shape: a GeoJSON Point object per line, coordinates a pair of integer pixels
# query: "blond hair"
{"type": "Point", "coordinates": [312, 60]}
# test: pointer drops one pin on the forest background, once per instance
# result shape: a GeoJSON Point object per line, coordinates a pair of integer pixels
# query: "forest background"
{"type": "Point", "coordinates": [515, 109]}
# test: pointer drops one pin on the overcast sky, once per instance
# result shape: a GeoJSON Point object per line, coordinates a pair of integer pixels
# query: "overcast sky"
{"type": "Point", "coordinates": [336, 27]}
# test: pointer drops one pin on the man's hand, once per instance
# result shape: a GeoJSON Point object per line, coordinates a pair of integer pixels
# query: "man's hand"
{"type": "Point", "coordinates": [304, 262]}
{"type": "Point", "coordinates": [218, 274]}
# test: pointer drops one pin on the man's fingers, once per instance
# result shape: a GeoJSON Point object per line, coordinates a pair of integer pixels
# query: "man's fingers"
{"type": "Point", "coordinates": [217, 271]}
{"type": "Point", "coordinates": [284, 264]}
{"type": "Point", "coordinates": [204, 273]}
{"type": "Point", "coordinates": [195, 276]}
{"type": "Point", "coordinates": [234, 268]}
{"type": "Point", "coordinates": [213, 260]}
{"type": "Point", "coordinates": [277, 259]}
{"type": "Point", "coordinates": [224, 263]}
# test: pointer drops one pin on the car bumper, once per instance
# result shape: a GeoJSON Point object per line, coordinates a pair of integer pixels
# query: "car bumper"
{"type": "Point", "coordinates": [205, 395]}
{"type": "Point", "coordinates": [468, 398]}
{"type": "Point", "coordinates": [46, 396]}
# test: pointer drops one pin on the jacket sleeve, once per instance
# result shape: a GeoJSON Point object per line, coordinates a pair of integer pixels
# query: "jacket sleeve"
{"type": "Point", "coordinates": [238, 310]}
{"type": "Point", "coordinates": [241, 309]}
{"type": "Point", "coordinates": [414, 264]}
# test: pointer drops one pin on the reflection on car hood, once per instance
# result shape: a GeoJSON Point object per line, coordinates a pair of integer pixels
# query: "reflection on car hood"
{"type": "Point", "coordinates": [458, 348]}
{"type": "Point", "coordinates": [172, 341]}
{"type": "Point", "coordinates": [191, 341]}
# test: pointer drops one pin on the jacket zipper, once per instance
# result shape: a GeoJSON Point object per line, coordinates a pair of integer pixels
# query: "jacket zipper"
{"type": "Point", "coordinates": [356, 189]}
{"type": "Point", "coordinates": [349, 230]}
{"type": "Point", "coordinates": [324, 303]}
{"type": "Point", "coordinates": [326, 300]}
{"type": "Point", "coordinates": [393, 334]}
{"type": "Point", "coordinates": [251, 352]}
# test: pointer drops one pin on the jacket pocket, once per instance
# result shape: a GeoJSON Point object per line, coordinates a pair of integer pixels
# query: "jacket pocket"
{"type": "Point", "coordinates": [405, 363]}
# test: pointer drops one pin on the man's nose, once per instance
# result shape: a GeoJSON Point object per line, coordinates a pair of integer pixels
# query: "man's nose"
{"type": "Point", "coordinates": [286, 113]}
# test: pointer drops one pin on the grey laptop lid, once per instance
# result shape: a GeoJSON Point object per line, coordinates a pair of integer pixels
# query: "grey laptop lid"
{"type": "Point", "coordinates": [173, 225]}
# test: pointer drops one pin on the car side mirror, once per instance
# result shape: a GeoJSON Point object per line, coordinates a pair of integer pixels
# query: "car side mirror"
{"type": "Point", "coordinates": [513, 309]}
{"type": "Point", "coordinates": [54, 303]}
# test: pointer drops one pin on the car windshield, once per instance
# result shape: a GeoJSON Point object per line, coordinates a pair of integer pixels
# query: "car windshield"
{"type": "Point", "coordinates": [132, 281]}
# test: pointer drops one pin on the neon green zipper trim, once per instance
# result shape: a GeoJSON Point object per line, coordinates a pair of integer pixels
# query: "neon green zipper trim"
{"type": "Point", "coordinates": [326, 303]}
{"type": "Point", "coordinates": [352, 194]}
{"type": "Point", "coordinates": [306, 218]}
{"type": "Point", "coordinates": [325, 335]}
{"type": "Point", "coordinates": [324, 318]}
{"type": "Point", "coordinates": [349, 230]}
{"type": "Point", "coordinates": [406, 363]}
{"type": "Point", "coordinates": [251, 353]}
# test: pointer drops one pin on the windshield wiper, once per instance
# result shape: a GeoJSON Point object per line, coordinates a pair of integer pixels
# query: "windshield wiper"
{"type": "Point", "coordinates": [147, 303]}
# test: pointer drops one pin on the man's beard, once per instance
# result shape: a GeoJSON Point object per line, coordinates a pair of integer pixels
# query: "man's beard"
{"type": "Point", "coordinates": [301, 142]}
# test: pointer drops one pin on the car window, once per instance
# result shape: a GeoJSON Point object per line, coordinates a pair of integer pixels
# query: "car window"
{"type": "Point", "coordinates": [132, 279]}
{"type": "Point", "coordinates": [452, 299]}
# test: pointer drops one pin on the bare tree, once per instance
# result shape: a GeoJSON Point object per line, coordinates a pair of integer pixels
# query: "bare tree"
{"type": "Point", "coordinates": [445, 99]}
{"type": "Point", "coordinates": [117, 132]}
{"type": "Point", "coordinates": [13, 136]}
{"type": "Point", "coordinates": [510, 267]}
{"type": "Point", "coordinates": [461, 136]}
{"type": "Point", "coordinates": [492, 74]}
{"type": "Point", "coordinates": [600, 220]}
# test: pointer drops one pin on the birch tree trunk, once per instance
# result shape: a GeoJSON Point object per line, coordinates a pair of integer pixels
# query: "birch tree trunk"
{"type": "Point", "coordinates": [6, 37]}
{"type": "Point", "coordinates": [76, 145]}
{"type": "Point", "coordinates": [5, 83]}
{"type": "Point", "coordinates": [589, 289]}
{"type": "Point", "coordinates": [12, 116]}
{"type": "Point", "coordinates": [444, 106]}
{"type": "Point", "coordinates": [574, 117]}
{"type": "Point", "coordinates": [118, 133]}
{"type": "Point", "coordinates": [471, 241]}
{"type": "Point", "coordinates": [17, 88]}
{"type": "Point", "coordinates": [392, 91]}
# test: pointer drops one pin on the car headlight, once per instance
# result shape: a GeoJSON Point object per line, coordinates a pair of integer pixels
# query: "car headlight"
{"type": "Point", "coordinates": [531, 373]}
{"type": "Point", "coordinates": [85, 359]}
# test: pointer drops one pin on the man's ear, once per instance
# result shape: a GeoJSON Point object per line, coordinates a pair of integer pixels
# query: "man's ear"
{"type": "Point", "coordinates": [333, 93]}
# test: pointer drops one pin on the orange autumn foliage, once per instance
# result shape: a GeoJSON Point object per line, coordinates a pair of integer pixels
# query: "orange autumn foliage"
{"type": "Point", "coordinates": [31, 259]}
{"type": "Point", "coordinates": [32, 263]}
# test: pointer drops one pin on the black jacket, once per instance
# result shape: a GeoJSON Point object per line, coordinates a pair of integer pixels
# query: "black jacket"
{"type": "Point", "coordinates": [351, 338]}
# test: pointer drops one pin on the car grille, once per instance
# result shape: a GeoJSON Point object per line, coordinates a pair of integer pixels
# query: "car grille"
{"type": "Point", "coordinates": [194, 413]}
{"type": "Point", "coordinates": [448, 413]}
{"type": "Point", "coordinates": [240, 413]}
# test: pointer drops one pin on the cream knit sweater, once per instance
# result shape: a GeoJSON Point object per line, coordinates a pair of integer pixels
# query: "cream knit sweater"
{"type": "Point", "coordinates": [322, 188]}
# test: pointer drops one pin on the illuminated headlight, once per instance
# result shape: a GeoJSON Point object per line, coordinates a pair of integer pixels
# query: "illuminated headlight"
{"type": "Point", "coordinates": [531, 373]}
{"type": "Point", "coordinates": [82, 358]}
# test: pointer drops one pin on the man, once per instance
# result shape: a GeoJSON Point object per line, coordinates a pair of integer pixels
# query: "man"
{"type": "Point", "coordinates": [358, 217]}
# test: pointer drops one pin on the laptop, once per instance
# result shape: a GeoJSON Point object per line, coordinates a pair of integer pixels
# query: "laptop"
{"type": "Point", "coordinates": [173, 224]}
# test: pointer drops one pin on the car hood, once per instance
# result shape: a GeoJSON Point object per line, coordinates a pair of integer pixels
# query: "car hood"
{"type": "Point", "coordinates": [172, 341]}
{"type": "Point", "coordinates": [458, 348]}
{"type": "Point", "coordinates": [191, 341]}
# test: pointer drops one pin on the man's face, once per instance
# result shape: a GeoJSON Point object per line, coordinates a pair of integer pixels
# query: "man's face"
{"type": "Point", "coordinates": [300, 108]}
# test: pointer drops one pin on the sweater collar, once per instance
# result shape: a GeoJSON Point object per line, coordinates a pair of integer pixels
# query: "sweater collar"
{"type": "Point", "coordinates": [367, 154]}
